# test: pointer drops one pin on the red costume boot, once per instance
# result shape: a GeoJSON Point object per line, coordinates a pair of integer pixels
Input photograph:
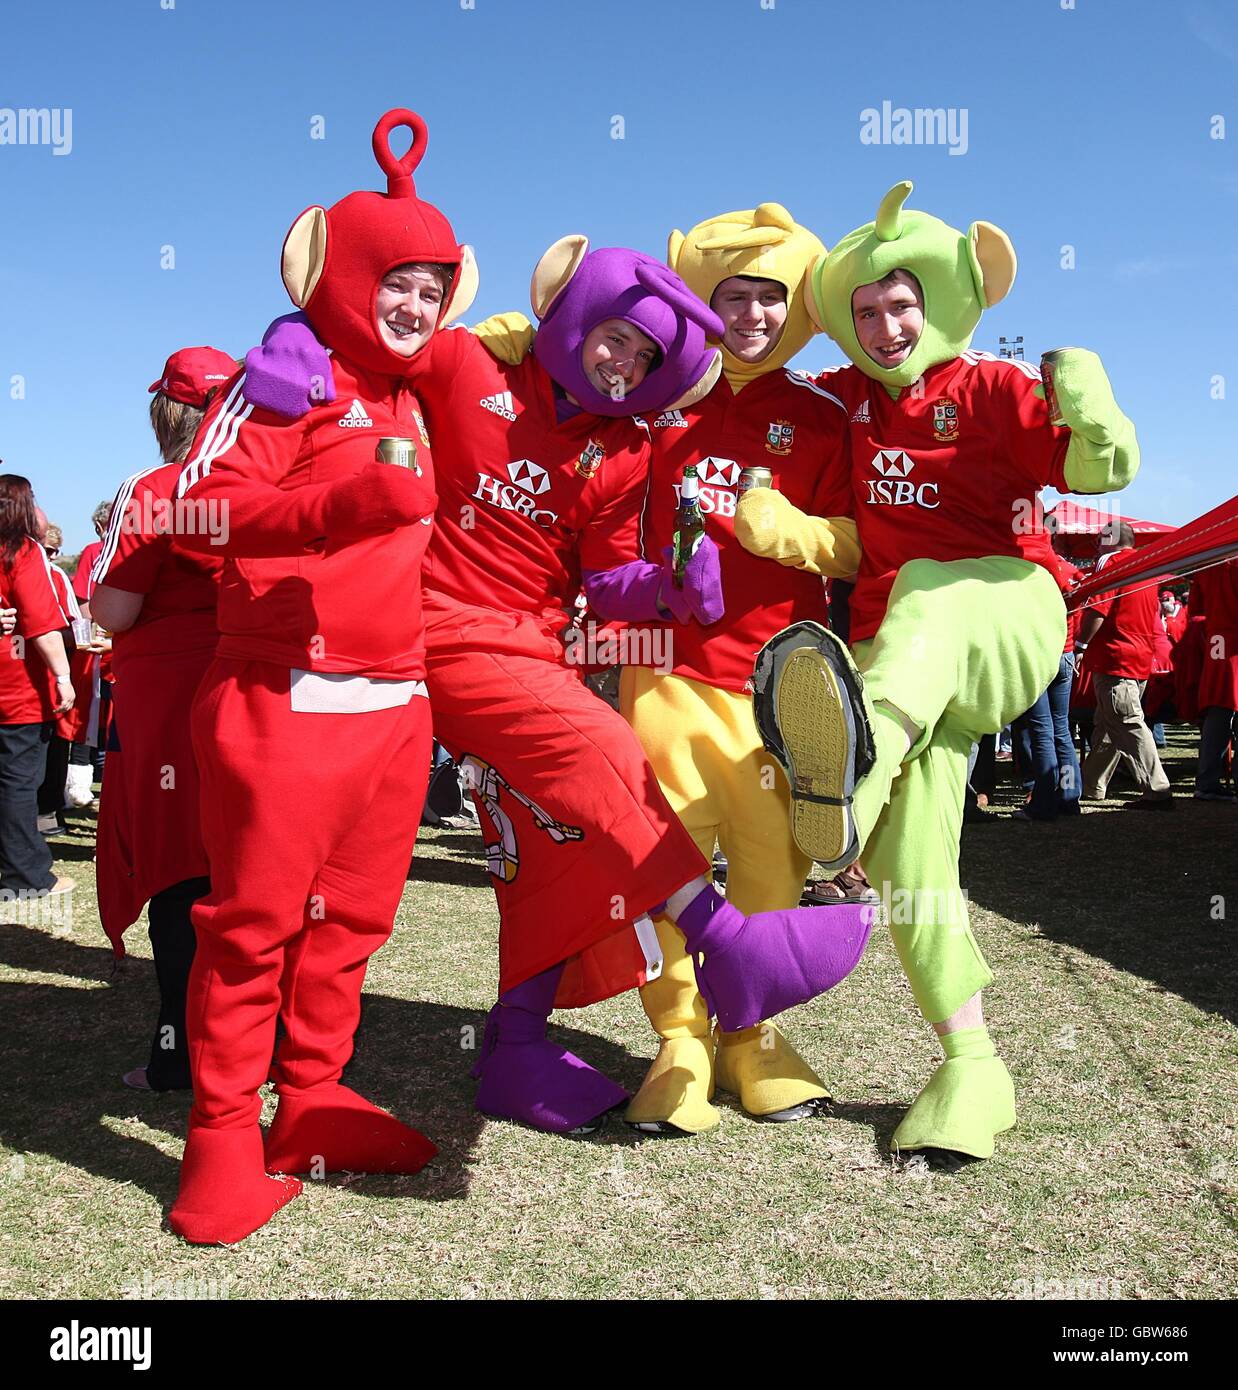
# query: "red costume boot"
{"type": "Point", "coordinates": [224, 1193]}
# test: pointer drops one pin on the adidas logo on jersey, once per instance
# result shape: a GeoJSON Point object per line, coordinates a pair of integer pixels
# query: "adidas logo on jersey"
{"type": "Point", "coordinates": [499, 404]}
{"type": "Point", "coordinates": [356, 419]}
{"type": "Point", "coordinates": [672, 419]}
{"type": "Point", "coordinates": [861, 416]}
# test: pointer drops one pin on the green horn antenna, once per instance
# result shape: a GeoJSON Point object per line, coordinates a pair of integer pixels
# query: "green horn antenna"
{"type": "Point", "coordinates": [890, 213]}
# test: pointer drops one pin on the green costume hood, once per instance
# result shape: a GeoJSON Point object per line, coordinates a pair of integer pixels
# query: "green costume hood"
{"type": "Point", "coordinates": [960, 274]}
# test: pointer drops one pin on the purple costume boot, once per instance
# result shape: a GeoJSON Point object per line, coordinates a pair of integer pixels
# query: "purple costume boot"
{"type": "Point", "coordinates": [526, 1077]}
{"type": "Point", "coordinates": [751, 968]}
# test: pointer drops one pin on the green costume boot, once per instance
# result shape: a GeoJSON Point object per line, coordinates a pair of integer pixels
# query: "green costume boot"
{"type": "Point", "coordinates": [969, 1100]}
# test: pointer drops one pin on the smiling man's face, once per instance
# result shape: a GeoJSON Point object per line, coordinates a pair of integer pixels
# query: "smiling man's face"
{"type": "Point", "coordinates": [889, 317]}
{"type": "Point", "coordinates": [753, 313]}
{"type": "Point", "coordinates": [616, 356]}
{"type": "Point", "coordinates": [407, 307]}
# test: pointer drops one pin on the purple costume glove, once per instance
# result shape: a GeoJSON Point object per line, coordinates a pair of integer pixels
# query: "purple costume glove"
{"type": "Point", "coordinates": [291, 372]}
{"type": "Point", "coordinates": [640, 590]}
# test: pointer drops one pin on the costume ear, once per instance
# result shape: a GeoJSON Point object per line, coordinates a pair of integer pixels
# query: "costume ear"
{"type": "Point", "coordinates": [810, 299]}
{"type": "Point", "coordinates": [305, 254]}
{"type": "Point", "coordinates": [702, 387]}
{"type": "Point", "coordinates": [674, 245]}
{"type": "Point", "coordinates": [993, 262]}
{"type": "Point", "coordinates": [555, 269]}
{"type": "Point", "coordinates": [464, 291]}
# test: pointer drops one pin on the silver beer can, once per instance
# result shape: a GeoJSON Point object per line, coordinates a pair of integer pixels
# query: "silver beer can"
{"type": "Point", "coordinates": [754, 477]}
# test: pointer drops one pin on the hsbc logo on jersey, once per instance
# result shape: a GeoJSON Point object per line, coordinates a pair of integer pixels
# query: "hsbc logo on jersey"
{"type": "Point", "coordinates": [718, 481]}
{"type": "Point", "coordinates": [530, 476]}
{"type": "Point", "coordinates": [895, 487]}
{"type": "Point", "coordinates": [508, 497]}
{"type": "Point", "coordinates": [719, 472]}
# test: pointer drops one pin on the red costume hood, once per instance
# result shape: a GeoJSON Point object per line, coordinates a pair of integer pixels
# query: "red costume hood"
{"type": "Point", "coordinates": [334, 259]}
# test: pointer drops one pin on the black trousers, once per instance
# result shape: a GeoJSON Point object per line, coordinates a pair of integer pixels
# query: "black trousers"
{"type": "Point", "coordinates": [25, 859]}
{"type": "Point", "coordinates": [173, 942]}
{"type": "Point", "coordinates": [51, 792]}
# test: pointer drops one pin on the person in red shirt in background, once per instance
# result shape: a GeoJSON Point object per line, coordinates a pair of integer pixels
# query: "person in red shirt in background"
{"type": "Point", "coordinates": [311, 728]}
{"type": "Point", "coordinates": [583, 846]}
{"type": "Point", "coordinates": [1214, 595]}
{"type": "Point", "coordinates": [1158, 693]}
{"type": "Point", "coordinates": [1119, 635]}
{"type": "Point", "coordinates": [70, 725]}
{"type": "Point", "coordinates": [91, 667]}
{"type": "Point", "coordinates": [35, 687]}
{"type": "Point", "coordinates": [158, 600]}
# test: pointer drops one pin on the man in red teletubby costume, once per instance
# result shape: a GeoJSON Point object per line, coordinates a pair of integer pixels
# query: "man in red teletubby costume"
{"type": "Point", "coordinates": [312, 729]}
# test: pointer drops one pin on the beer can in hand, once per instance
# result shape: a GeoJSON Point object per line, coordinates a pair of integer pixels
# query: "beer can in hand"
{"type": "Point", "coordinates": [754, 477]}
{"type": "Point", "coordinates": [402, 452]}
{"type": "Point", "coordinates": [1048, 361]}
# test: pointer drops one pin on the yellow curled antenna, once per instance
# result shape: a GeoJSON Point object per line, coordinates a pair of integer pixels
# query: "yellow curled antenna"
{"type": "Point", "coordinates": [889, 224]}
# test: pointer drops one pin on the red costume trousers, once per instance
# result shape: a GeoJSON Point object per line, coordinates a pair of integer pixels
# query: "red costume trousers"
{"type": "Point", "coordinates": [580, 839]}
{"type": "Point", "coordinates": [309, 822]}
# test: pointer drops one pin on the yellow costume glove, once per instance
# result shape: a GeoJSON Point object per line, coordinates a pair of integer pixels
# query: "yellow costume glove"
{"type": "Point", "coordinates": [1103, 454]}
{"type": "Point", "coordinates": [506, 337]}
{"type": "Point", "coordinates": [768, 525]}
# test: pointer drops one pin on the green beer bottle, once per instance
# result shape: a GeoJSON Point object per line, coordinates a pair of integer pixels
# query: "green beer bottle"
{"type": "Point", "coordinates": [689, 524]}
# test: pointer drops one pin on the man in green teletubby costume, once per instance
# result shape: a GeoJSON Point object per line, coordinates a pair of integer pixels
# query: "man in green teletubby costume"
{"type": "Point", "coordinates": [957, 623]}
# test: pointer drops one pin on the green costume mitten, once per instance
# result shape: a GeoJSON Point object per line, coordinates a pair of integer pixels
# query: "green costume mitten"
{"type": "Point", "coordinates": [968, 1100]}
{"type": "Point", "coordinates": [1103, 454]}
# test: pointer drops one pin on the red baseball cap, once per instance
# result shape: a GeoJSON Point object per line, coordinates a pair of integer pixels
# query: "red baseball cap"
{"type": "Point", "coordinates": [190, 373]}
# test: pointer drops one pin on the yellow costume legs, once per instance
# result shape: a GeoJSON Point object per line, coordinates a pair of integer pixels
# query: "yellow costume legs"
{"type": "Point", "coordinates": [703, 745]}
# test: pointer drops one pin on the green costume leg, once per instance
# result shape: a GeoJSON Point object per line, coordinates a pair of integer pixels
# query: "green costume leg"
{"type": "Point", "coordinates": [963, 649]}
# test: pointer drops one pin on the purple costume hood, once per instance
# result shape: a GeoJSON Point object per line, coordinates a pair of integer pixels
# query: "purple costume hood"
{"type": "Point", "coordinates": [614, 283]}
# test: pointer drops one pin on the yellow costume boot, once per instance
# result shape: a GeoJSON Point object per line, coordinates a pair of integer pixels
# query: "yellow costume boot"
{"type": "Point", "coordinates": [771, 1079]}
{"type": "Point", "coordinates": [679, 1086]}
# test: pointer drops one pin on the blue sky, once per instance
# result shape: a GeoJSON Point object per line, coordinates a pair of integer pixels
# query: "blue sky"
{"type": "Point", "coordinates": [1087, 126]}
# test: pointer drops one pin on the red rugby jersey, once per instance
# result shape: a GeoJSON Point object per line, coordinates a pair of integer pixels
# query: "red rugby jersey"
{"type": "Point", "coordinates": [82, 581]}
{"type": "Point", "coordinates": [341, 606]}
{"type": "Point", "coordinates": [782, 421]}
{"type": "Point", "coordinates": [951, 469]}
{"type": "Point", "coordinates": [525, 502]}
{"type": "Point", "coordinates": [25, 684]}
{"type": "Point", "coordinates": [140, 554]}
{"type": "Point", "coordinates": [1125, 643]}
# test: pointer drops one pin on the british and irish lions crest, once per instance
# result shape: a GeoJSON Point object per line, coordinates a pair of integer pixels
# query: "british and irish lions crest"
{"type": "Point", "coordinates": [779, 437]}
{"type": "Point", "coordinates": [945, 420]}
{"type": "Point", "coordinates": [590, 459]}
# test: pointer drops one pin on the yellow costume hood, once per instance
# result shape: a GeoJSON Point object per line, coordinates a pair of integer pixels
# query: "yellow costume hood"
{"type": "Point", "coordinates": [766, 243]}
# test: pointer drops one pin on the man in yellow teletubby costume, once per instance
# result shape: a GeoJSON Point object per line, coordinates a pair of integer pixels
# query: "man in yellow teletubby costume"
{"type": "Point", "coordinates": [695, 719]}
{"type": "Point", "coordinates": [956, 619]}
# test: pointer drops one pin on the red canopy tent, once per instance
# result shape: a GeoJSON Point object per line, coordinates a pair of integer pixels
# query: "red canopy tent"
{"type": "Point", "coordinates": [1208, 540]}
{"type": "Point", "coordinates": [1081, 529]}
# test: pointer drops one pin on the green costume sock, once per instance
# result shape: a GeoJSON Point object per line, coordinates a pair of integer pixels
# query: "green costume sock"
{"type": "Point", "coordinates": [972, 1043]}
